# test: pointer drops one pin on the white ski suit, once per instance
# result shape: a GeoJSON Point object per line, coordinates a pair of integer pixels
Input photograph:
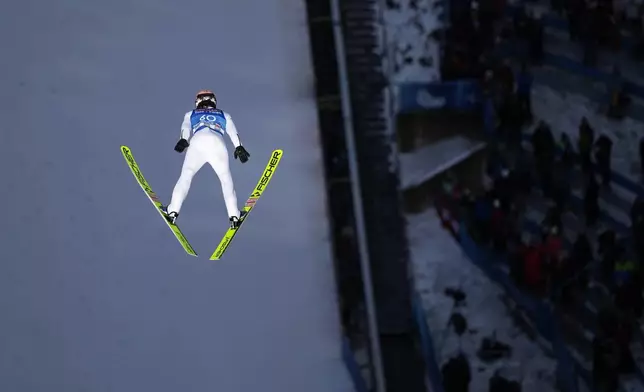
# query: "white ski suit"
{"type": "Point", "coordinates": [204, 129]}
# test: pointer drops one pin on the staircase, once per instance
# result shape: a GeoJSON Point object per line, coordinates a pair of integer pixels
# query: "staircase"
{"type": "Point", "coordinates": [381, 199]}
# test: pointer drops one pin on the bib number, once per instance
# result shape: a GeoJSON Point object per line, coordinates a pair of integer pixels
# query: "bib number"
{"type": "Point", "coordinates": [209, 118]}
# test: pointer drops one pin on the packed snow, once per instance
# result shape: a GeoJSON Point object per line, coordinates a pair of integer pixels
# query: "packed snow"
{"type": "Point", "coordinates": [438, 264]}
{"type": "Point", "coordinates": [563, 112]}
{"type": "Point", "coordinates": [414, 53]}
{"type": "Point", "coordinates": [95, 292]}
{"type": "Point", "coordinates": [563, 108]}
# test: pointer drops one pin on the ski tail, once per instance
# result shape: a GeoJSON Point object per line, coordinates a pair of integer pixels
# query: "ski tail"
{"type": "Point", "coordinates": [136, 171]}
{"type": "Point", "coordinates": [267, 174]}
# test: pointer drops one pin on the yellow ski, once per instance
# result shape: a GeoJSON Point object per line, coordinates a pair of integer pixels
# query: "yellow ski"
{"type": "Point", "coordinates": [276, 156]}
{"type": "Point", "coordinates": [127, 154]}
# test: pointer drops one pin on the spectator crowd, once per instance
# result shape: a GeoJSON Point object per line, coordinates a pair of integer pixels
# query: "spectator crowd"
{"type": "Point", "coordinates": [573, 251]}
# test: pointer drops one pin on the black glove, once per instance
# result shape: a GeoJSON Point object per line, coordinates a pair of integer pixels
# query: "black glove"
{"type": "Point", "coordinates": [181, 145]}
{"type": "Point", "coordinates": [242, 154]}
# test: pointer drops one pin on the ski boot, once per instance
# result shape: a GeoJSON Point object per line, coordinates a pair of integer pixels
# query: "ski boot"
{"type": "Point", "coordinates": [169, 216]}
{"type": "Point", "coordinates": [236, 222]}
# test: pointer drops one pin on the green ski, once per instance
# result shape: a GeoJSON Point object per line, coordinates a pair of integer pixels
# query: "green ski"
{"type": "Point", "coordinates": [127, 154]}
{"type": "Point", "coordinates": [267, 174]}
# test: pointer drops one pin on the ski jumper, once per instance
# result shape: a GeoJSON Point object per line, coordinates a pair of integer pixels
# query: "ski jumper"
{"type": "Point", "coordinates": [204, 129]}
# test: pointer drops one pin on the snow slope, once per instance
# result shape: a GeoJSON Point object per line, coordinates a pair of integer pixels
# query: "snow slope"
{"type": "Point", "coordinates": [439, 263]}
{"type": "Point", "coordinates": [95, 293]}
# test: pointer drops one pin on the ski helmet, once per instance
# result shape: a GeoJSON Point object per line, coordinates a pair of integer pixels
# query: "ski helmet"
{"type": "Point", "coordinates": [205, 98]}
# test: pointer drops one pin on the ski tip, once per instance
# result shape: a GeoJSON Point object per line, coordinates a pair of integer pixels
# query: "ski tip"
{"type": "Point", "coordinates": [125, 148]}
{"type": "Point", "coordinates": [277, 154]}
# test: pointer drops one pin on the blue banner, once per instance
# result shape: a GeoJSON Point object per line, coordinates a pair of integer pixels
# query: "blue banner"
{"type": "Point", "coordinates": [462, 94]}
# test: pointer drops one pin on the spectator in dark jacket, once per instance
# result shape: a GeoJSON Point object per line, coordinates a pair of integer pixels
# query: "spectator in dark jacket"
{"type": "Point", "coordinates": [637, 211]}
{"type": "Point", "coordinates": [637, 228]}
{"type": "Point", "coordinates": [533, 268]}
{"type": "Point", "coordinates": [638, 50]}
{"type": "Point", "coordinates": [551, 252]}
{"type": "Point", "coordinates": [585, 143]}
{"type": "Point", "coordinates": [535, 39]}
{"type": "Point", "coordinates": [628, 290]}
{"type": "Point", "coordinates": [551, 219]}
{"type": "Point", "coordinates": [511, 119]}
{"type": "Point", "coordinates": [524, 90]}
{"type": "Point", "coordinates": [580, 257]}
{"type": "Point", "coordinates": [544, 147]}
{"type": "Point", "coordinates": [575, 9]}
{"type": "Point", "coordinates": [567, 151]}
{"type": "Point", "coordinates": [641, 150]}
{"type": "Point", "coordinates": [543, 142]}
{"type": "Point", "coordinates": [603, 152]}
{"type": "Point", "coordinates": [610, 250]}
{"type": "Point", "coordinates": [588, 37]}
{"type": "Point", "coordinates": [499, 226]}
{"type": "Point", "coordinates": [505, 79]}
{"type": "Point", "coordinates": [591, 204]}
{"type": "Point", "coordinates": [482, 217]}
{"type": "Point", "coordinates": [517, 263]}
{"type": "Point", "coordinates": [606, 354]}
{"type": "Point", "coordinates": [457, 374]}
{"type": "Point", "coordinates": [560, 185]}
{"type": "Point", "coordinates": [619, 100]}
{"type": "Point", "coordinates": [504, 188]}
{"type": "Point", "coordinates": [552, 246]}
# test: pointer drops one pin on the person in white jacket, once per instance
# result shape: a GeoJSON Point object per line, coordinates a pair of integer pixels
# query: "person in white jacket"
{"type": "Point", "coordinates": [202, 134]}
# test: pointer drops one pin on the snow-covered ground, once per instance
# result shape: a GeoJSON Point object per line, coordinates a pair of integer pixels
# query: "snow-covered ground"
{"type": "Point", "coordinates": [95, 293]}
{"type": "Point", "coordinates": [439, 263]}
{"type": "Point", "coordinates": [426, 162]}
{"type": "Point", "coordinates": [563, 108]}
{"type": "Point", "coordinates": [413, 52]}
{"type": "Point", "coordinates": [564, 111]}
{"type": "Point", "coordinates": [558, 41]}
